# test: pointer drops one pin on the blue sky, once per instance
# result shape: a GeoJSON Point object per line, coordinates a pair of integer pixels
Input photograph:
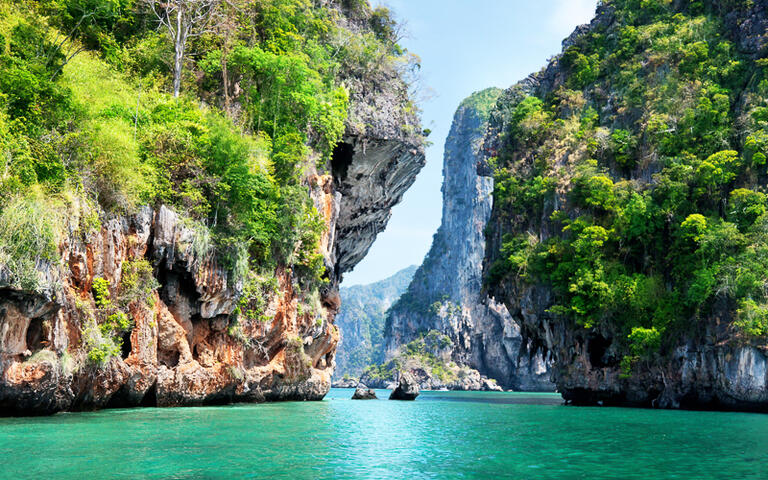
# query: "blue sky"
{"type": "Point", "coordinates": [465, 46]}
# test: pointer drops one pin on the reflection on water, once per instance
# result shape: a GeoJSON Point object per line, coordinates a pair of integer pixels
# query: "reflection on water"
{"type": "Point", "coordinates": [440, 435]}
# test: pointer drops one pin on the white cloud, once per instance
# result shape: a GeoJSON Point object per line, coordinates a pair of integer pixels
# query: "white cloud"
{"type": "Point", "coordinates": [568, 14]}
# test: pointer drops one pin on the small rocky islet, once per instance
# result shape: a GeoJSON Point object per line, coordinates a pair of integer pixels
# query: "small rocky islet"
{"type": "Point", "coordinates": [364, 393]}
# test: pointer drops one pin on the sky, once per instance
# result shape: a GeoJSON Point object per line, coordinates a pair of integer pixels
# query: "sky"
{"type": "Point", "coordinates": [465, 46]}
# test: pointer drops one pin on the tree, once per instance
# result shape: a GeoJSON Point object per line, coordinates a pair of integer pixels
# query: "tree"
{"type": "Point", "coordinates": [183, 19]}
{"type": "Point", "coordinates": [226, 26]}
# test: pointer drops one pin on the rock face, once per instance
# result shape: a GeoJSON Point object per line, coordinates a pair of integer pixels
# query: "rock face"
{"type": "Point", "coordinates": [364, 393]}
{"type": "Point", "coordinates": [361, 322]}
{"type": "Point", "coordinates": [446, 292]}
{"type": "Point", "coordinates": [709, 366]}
{"type": "Point", "coordinates": [428, 360]}
{"type": "Point", "coordinates": [182, 349]}
{"type": "Point", "coordinates": [407, 388]}
{"type": "Point", "coordinates": [184, 346]}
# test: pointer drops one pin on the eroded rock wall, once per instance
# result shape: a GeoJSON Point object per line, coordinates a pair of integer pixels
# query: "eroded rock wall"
{"type": "Point", "coordinates": [184, 346]}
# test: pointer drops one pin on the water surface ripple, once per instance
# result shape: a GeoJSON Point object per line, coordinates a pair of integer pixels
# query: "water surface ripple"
{"type": "Point", "coordinates": [442, 435]}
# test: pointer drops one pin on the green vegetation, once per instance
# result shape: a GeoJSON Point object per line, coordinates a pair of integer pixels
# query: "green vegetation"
{"type": "Point", "coordinates": [253, 302]}
{"type": "Point", "coordinates": [659, 139]}
{"type": "Point", "coordinates": [30, 226]}
{"type": "Point", "coordinates": [482, 103]}
{"type": "Point", "coordinates": [87, 112]}
{"type": "Point", "coordinates": [106, 326]}
{"type": "Point", "coordinates": [137, 283]}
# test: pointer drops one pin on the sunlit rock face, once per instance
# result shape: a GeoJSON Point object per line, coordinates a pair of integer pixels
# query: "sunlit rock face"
{"type": "Point", "coordinates": [181, 349]}
{"type": "Point", "coordinates": [446, 293]}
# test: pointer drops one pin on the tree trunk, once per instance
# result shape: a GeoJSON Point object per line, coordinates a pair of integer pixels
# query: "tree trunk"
{"type": "Point", "coordinates": [177, 70]}
{"type": "Point", "coordinates": [179, 50]}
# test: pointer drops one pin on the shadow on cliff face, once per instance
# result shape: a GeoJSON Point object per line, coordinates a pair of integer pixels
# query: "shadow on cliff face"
{"type": "Point", "coordinates": [597, 347]}
{"type": "Point", "coordinates": [35, 335]}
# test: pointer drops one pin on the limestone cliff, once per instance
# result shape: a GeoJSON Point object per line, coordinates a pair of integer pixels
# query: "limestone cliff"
{"type": "Point", "coordinates": [617, 295]}
{"type": "Point", "coordinates": [152, 275]}
{"type": "Point", "coordinates": [446, 292]}
{"type": "Point", "coordinates": [181, 349]}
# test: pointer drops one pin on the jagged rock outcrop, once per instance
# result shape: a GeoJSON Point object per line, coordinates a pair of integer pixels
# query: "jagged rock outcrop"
{"type": "Point", "coordinates": [364, 393]}
{"type": "Point", "coordinates": [181, 349]}
{"type": "Point", "coordinates": [462, 379]}
{"type": "Point", "coordinates": [446, 292]}
{"type": "Point", "coordinates": [348, 382]}
{"type": "Point", "coordinates": [710, 364]}
{"type": "Point", "coordinates": [428, 360]}
{"type": "Point", "coordinates": [407, 387]}
{"type": "Point", "coordinates": [361, 322]}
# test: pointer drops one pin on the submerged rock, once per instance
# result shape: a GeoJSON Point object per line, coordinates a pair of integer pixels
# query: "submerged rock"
{"type": "Point", "coordinates": [407, 389]}
{"type": "Point", "coordinates": [364, 393]}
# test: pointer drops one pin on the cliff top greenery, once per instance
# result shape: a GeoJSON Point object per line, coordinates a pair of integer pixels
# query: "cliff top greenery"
{"type": "Point", "coordinates": [482, 102]}
{"type": "Point", "coordinates": [644, 153]}
{"type": "Point", "coordinates": [89, 121]}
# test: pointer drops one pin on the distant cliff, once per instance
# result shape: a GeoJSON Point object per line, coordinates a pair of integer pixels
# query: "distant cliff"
{"type": "Point", "coordinates": [446, 292]}
{"type": "Point", "coordinates": [361, 322]}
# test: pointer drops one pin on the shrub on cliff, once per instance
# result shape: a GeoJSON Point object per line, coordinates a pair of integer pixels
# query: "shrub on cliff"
{"type": "Point", "coordinates": [30, 229]}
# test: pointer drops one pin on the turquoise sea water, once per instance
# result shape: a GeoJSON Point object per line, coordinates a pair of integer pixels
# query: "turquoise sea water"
{"type": "Point", "coordinates": [441, 435]}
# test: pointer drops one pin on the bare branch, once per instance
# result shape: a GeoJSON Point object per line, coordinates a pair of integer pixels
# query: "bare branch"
{"type": "Point", "coordinates": [184, 19]}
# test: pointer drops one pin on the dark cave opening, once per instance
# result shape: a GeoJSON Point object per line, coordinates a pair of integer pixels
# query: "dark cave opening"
{"type": "Point", "coordinates": [342, 157]}
{"type": "Point", "coordinates": [168, 358]}
{"type": "Point", "coordinates": [126, 347]}
{"type": "Point", "coordinates": [597, 346]}
{"type": "Point", "coordinates": [150, 398]}
{"type": "Point", "coordinates": [35, 335]}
